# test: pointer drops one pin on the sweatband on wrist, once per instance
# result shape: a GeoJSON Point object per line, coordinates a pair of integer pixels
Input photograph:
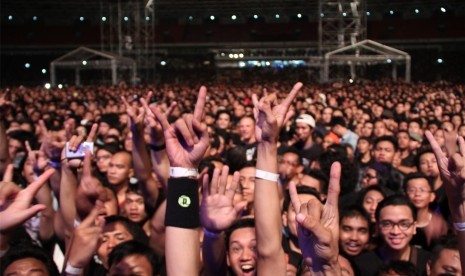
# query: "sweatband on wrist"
{"type": "Point", "coordinates": [54, 164]}
{"type": "Point", "coordinates": [182, 207]}
{"type": "Point", "coordinates": [183, 172]}
{"type": "Point", "coordinates": [73, 270]}
{"type": "Point", "coordinates": [266, 175]}
{"type": "Point", "coordinates": [459, 226]}
{"type": "Point", "coordinates": [211, 234]}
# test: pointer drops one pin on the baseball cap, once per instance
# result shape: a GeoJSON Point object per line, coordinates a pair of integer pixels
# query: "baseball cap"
{"type": "Point", "coordinates": [306, 119]}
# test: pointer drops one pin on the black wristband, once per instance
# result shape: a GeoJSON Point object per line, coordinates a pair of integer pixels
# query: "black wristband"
{"type": "Point", "coordinates": [182, 207]}
{"type": "Point", "coordinates": [157, 148]}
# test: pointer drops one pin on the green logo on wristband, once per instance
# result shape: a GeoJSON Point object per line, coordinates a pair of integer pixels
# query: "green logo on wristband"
{"type": "Point", "coordinates": [184, 201]}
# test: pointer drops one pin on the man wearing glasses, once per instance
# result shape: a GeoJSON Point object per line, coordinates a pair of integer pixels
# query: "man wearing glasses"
{"type": "Point", "coordinates": [396, 224]}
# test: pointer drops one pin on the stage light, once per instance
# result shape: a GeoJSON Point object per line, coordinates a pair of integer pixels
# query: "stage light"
{"type": "Point", "coordinates": [391, 12]}
{"type": "Point", "coordinates": [255, 16]}
{"type": "Point", "coordinates": [60, 86]}
{"type": "Point", "coordinates": [241, 55]}
{"type": "Point", "coordinates": [443, 9]}
{"type": "Point", "coordinates": [84, 62]}
{"type": "Point", "coordinates": [267, 63]}
{"type": "Point", "coordinates": [344, 14]}
{"type": "Point", "coordinates": [34, 18]}
{"type": "Point", "coordinates": [388, 60]}
{"type": "Point", "coordinates": [299, 15]}
{"type": "Point", "coordinates": [126, 18]}
{"type": "Point", "coordinates": [104, 18]}
{"type": "Point", "coordinates": [27, 65]}
{"type": "Point", "coordinates": [10, 17]}
{"type": "Point", "coordinates": [241, 64]}
{"type": "Point", "coordinates": [147, 18]}
{"type": "Point", "coordinates": [212, 17]}
{"type": "Point", "coordinates": [440, 60]}
{"type": "Point", "coordinates": [44, 71]}
{"type": "Point", "coordinates": [163, 63]}
{"type": "Point", "coordinates": [417, 11]}
{"type": "Point", "coordinates": [47, 85]}
{"type": "Point", "coordinates": [322, 14]}
{"type": "Point", "coordinates": [233, 17]}
{"type": "Point", "coordinates": [231, 55]}
{"type": "Point", "coordinates": [368, 13]}
{"type": "Point", "coordinates": [191, 18]}
{"type": "Point", "coordinates": [351, 80]}
{"type": "Point", "coordinates": [222, 54]}
{"type": "Point", "coordinates": [277, 16]}
{"type": "Point", "coordinates": [81, 18]}
{"type": "Point", "coordinates": [236, 56]}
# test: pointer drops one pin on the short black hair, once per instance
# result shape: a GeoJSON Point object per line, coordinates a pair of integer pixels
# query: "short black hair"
{"type": "Point", "coordinates": [23, 251]}
{"type": "Point", "coordinates": [445, 242]}
{"type": "Point", "coordinates": [321, 177]}
{"type": "Point", "coordinates": [136, 231]}
{"type": "Point", "coordinates": [354, 211]}
{"type": "Point", "coordinates": [396, 200]}
{"type": "Point", "coordinates": [417, 175]}
{"type": "Point", "coordinates": [386, 138]}
{"type": "Point", "coordinates": [337, 120]}
{"type": "Point", "coordinates": [129, 248]}
{"type": "Point", "coordinates": [424, 150]}
{"type": "Point", "coordinates": [401, 268]}
{"type": "Point", "coordinates": [239, 224]}
{"type": "Point", "coordinates": [294, 151]}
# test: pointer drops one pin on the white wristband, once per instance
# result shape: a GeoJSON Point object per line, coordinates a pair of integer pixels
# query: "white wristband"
{"type": "Point", "coordinates": [182, 172]}
{"type": "Point", "coordinates": [266, 175]}
{"type": "Point", "coordinates": [459, 226]}
{"type": "Point", "coordinates": [73, 270]}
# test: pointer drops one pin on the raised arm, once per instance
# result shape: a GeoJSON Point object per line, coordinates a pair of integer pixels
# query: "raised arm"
{"type": "Point", "coordinates": [452, 169]}
{"type": "Point", "coordinates": [141, 160]}
{"type": "Point", "coordinates": [5, 157]}
{"type": "Point", "coordinates": [318, 227]}
{"type": "Point", "coordinates": [217, 214]}
{"type": "Point", "coordinates": [270, 118]}
{"type": "Point", "coordinates": [186, 143]}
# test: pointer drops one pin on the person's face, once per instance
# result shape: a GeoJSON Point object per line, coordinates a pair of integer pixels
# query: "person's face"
{"type": "Point", "coordinates": [242, 253]}
{"type": "Point", "coordinates": [303, 131]}
{"type": "Point", "coordinates": [419, 192]}
{"type": "Point", "coordinates": [247, 182]}
{"type": "Point", "coordinates": [370, 202]}
{"type": "Point", "coordinates": [132, 265]}
{"type": "Point", "coordinates": [384, 152]}
{"type": "Point", "coordinates": [288, 166]}
{"type": "Point", "coordinates": [414, 127]}
{"type": "Point", "coordinates": [239, 111]}
{"type": "Point", "coordinates": [326, 115]}
{"type": "Point", "coordinates": [370, 178]}
{"type": "Point", "coordinates": [103, 158]}
{"type": "Point", "coordinates": [363, 146]}
{"type": "Point", "coordinates": [327, 141]}
{"type": "Point", "coordinates": [428, 165]}
{"type": "Point", "coordinates": [380, 129]}
{"type": "Point", "coordinates": [353, 235]}
{"type": "Point", "coordinates": [400, 108]}
{"type": "Point", "coordinates": [448, 263]}
{"type": "Point", "coordinates": [112, 235]}
{"type": "Point", "coordinates": [398, 237]}
{"type": "Point", "coordinates": [134, 207]}
{"type": "Point", "coordinates": [439, 136]}
{"type": "Point", "coordinates": [14, 146]}
{"type": "Point", "coordinates": [223, 121]}
{"type": "Point", "coordinates": [289, 216]}
{"type": "Point", "coordinates": [247, 128]}
{"type": "Point", "coordinates": [26, 266]}
{"type": "Point", "coordinates": [403, 140]}
{"type": "Point", "coordinates": [103, 128]}
{"type": "Point", "coordinates": [461, 131]}
{"type": "Point", "coordinates": [118, 170]}
{"type": "Point", "coordinates": [367, 129]}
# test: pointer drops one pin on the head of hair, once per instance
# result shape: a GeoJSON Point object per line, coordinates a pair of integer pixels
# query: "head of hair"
{"type": "Point", "coordinates": [241, 223]}
{"type": "Point", "coordinates": [321, 177]}
{"type": "Point", "coordinates": [380, 189]}
{"type": "Point", "coordinates": [337, 120]}
{"type": "Point", "coordinates": [417, 175]}
{"type": "Point", "coordinates": [24, 251]}
{"type": "Point", "coordinates": [110, 147]}
{"type": "Point", "coordinates": [296, 152]}
{"type": "Point", "coordinates": [354, 211]}
{"type": "Point", "coordinates": [396, 200]}
{"type": "Point", "coordinates": [424, 150]}
{"type": "Point", "coordinates": [236, 158]}
{"type": "Point", "coordinates": [136, 231]}
{"type": "Point", "coordinates": [300, 190]}
{"type": "Point", "coordinates": [138, 189]}
{"type": "Point", "coordinates": [386, 138]}
{"type": "Point", "coordinates": [445, 242]}
{"type": "Point", "coordinates": [129, 248]}
{"type": "Point", "coordinates": [400, 268]}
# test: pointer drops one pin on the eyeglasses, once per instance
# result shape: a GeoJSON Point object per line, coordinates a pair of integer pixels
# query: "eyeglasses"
{"type": "Point", "coordinates": [413, 191]}
{"type": "Point", "coordinates": [404, 225]}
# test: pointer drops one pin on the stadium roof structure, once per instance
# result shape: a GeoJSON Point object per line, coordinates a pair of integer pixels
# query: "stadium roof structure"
{"type": "Point", "coordinates": [367, 52]}
{"type": "Point", "coordinates": [84, 58]}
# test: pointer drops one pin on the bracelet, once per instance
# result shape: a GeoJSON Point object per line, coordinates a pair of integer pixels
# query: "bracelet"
{"type": "Point", "coordinates": [182, 172]}
{"type": "Point", "coordinates": [73, 270]}
{"type": "Point", "coordinates": [266, 175]}
{"type": "Point", "coordinates": [54, 164]}
{"type": "Point", "coordinates": [157, 148]}
{"type": "Point", "coordinates": [459, 226]}
{"type": "Point", "coordinates": [211, 234]}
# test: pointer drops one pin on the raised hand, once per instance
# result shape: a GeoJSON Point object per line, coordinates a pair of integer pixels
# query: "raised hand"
{"type": "Point", "coordinates": [36, 157]}
{"type": "Point", "coordinates": [156, 130]}
{"type": "Point", "coordinates": [318, 226]}
{"type": "Point", "coordinates": [270, 116]}
{"type": "Point", "coordinates": [15, 204]}
{"type": "Point", "coordinates": [187, 139]}
{"type": "Point", "coordinates": [218, 212]}
{"type": "Point", "coordinates": [4, 102]}
{"type": "Point", "coordinates": [74, 144]}
{"type": "Point", "coordinates": [452, 169]}
{"type": "Point", "coordinates": [53, 141]}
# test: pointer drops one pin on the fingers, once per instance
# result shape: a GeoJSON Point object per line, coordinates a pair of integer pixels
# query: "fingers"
{"type": "Point", "coordinates": [223, 180]}
{"type": "Point", "coordinates": [90, 219]}
{"type": "Point", "coordinates": [7, 191]}
{"type": "Point", "coordinates": [161, 118]}
{"type": "Point", "coordinates": [240, 206]}
{"type": "Point", "coordinates": [92, 133]}
{"type": "Point", "coordinates": [8, 175]}
{"type": "Point", "coordinates": [294, 196]}
{"type": "Point", "coordinates": [450, 142]}
{"type": "Point", "coordinates": [311, 222]}
{"type": "Point", "coordinates": [434, 145]}
{"type": "Point", "coordinates": [182, 129]}
{"type": "Point", "coordinates": [200, 104]}
{"type": "Point", "coordinates": [189, 122]}
{"type": "Point", "coordinates": [28, 148]}
{"type": "Point", "coordinates": [148, 97]}
{"type": "Point", "coordinates": [43, 128]}
{"type": "Point", "coordinates": [231, 191]}
{"type": "Point", "coordinates": [202, 130]}
{"type": "Point", "coordinates": [87, 168]}
{"type": "Point", "coordinates": [214, 183]}
{"type": "Point", "coordinates": [294, 91]}
{"type": "Point", "coordinates": [462, 145]}
{"type": "Point", "coordinates": [170, 109]}
{"type": "Point", "coordinates": [35, 186]}
{"type": "Point", "coordinates": [334, 186]}
{"type": "Point", "coordinates": [459, 163]}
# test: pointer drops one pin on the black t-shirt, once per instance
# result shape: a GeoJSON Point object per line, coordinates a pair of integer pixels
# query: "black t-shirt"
{"type": "Point", "coordinates": [310, 154]}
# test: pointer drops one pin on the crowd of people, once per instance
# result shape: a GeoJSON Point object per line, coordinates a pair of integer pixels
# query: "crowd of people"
{"type": "Point", "coordinates": [234, 178]}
